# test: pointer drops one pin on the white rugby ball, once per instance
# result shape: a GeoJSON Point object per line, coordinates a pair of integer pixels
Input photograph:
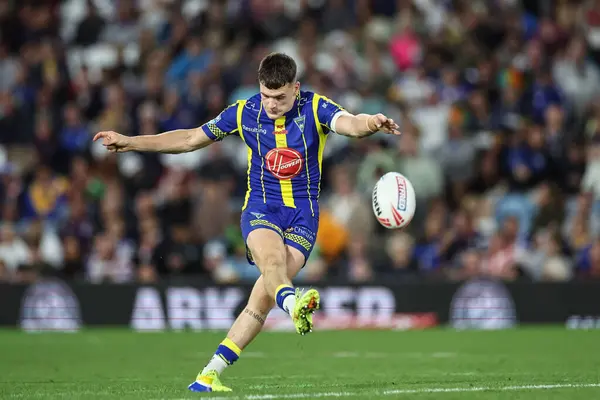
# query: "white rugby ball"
{"type": "Point", "coordinates": [394, 200]}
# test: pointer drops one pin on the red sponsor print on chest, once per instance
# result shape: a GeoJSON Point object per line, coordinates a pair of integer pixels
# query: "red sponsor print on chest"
{"type": "Point", "coordinates": [280, 129]}
{"type": "Point", "coordinates": [284, 163]}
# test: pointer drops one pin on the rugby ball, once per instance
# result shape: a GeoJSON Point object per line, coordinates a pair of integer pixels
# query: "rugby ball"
{"type": "Point", "coordinates": [394, 200]}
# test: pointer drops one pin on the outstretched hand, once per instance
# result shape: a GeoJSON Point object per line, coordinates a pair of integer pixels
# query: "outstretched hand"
{"type": "Point", "coordinates": [380, 122]}
{"type": "Point", "coordinates": [113, 141]}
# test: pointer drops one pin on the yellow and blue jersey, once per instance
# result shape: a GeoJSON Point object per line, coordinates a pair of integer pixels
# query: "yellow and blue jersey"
{"type": "Point", "coordinates": [285, 159]}
{"type": "Point", "coordinates": [285, 156]}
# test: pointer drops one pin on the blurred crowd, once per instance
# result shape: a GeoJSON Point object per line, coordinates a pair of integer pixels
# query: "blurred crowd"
{"type": "Point", "coordinates": [498, 102]}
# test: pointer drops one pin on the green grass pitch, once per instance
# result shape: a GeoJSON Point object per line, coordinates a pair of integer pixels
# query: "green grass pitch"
{"type": "Point", "coordinates": [526, 363]}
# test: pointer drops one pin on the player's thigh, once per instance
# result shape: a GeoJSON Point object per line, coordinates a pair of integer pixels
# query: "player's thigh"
{"type": "Point", "coordinates": [295, 261]}
{"type": "Point", "coordinates": [266, 248]}
{"type": "Point", "coordinates": [263, 235]}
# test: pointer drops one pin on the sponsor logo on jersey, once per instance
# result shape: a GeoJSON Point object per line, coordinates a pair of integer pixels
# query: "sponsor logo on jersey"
{"type": "Point", "coordinates": [401, 193]}
{"type": "Point", "coordinates": [280, 129]}
{"type": "Point", "coordinates": [284, 163]}
{"type": "Point", "coordinates": [254, 129]}
{"type": "Point", "coordinates": [302, 101]}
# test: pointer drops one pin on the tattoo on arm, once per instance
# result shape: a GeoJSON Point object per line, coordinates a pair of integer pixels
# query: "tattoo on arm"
{"type": "Point", "coordinates": [256, 316]}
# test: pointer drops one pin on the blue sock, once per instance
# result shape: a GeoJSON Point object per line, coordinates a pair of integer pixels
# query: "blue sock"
{"type": "Point", "coordinates": [227, 353]}
{"type": "Point", "coordinates": [285, 298]}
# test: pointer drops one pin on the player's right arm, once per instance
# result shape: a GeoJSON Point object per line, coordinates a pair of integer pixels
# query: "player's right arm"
{"type": "Point", "coordinates": [173, 142]}
{"type": "Point", "coordinates": [176, 141]}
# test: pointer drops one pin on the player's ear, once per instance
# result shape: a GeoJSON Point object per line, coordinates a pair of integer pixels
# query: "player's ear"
{"type": "Point", "coordinates": [297, 88]}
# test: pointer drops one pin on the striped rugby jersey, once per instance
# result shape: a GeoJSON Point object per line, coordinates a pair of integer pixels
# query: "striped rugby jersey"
{"type": "Point", "coordinates": [285, 155]}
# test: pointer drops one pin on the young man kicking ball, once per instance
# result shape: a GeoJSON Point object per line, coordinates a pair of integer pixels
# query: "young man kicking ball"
{"type": "Point", "coordinates": [284, 130]}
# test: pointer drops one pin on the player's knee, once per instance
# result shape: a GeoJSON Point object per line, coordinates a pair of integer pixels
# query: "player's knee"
{"type": "Point", "coordinates": [271, 263]}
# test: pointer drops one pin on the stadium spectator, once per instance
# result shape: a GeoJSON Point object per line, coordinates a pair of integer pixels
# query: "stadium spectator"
{"type": "Point", "coordinates": [13, 251]}
{"type": "Point", "coordinates": [498, 103]}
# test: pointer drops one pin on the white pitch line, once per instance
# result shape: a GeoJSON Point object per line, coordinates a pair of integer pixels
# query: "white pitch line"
{"type": "Point", "coordinates": [410, 391]}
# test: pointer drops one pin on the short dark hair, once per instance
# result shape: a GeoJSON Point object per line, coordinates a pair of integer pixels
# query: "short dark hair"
{"type": "Point", "coordinates": [277, 70]}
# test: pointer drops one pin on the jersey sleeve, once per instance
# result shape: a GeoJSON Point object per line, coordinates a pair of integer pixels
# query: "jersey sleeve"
{"type": "Point", "coordinates": [222, 125]}
{"type": "Point", "coordinates": [328, 112]}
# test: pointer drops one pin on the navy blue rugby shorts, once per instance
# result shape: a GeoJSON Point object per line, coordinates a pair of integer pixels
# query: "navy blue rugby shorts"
{"type": "Point", "coordinates": [296, 226]}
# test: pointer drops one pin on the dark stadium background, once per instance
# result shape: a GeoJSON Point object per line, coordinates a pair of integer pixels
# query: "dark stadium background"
{"type": "Point", "coordinates": [498, 102]}
{"type": "Point", "coordinates": [499, 105]}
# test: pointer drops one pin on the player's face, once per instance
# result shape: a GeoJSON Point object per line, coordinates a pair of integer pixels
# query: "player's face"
{"type": "Point", "coordinates": [277, 102]}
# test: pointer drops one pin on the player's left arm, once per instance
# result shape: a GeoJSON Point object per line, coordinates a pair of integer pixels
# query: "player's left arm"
{"type": "Point", "coordinates": [363, 125]}
{"type": "Point", "coordinates": [357, 126]}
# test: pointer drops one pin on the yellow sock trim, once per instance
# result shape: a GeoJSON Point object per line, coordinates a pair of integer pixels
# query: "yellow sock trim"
{"type": "Point", "coordinates": [234, 347]}
{"type": "Point", "coordinates": [281, 287]}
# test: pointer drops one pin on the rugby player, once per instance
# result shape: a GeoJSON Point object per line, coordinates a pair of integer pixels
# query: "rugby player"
{"type": "Point", "coordinates": [284, 130]}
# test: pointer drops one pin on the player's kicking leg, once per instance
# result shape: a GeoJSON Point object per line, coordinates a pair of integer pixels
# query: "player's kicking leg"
{"type": "Point", "coordinates": [249, 323]}
{"type": "Point", "coordinates": [271, 256]}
